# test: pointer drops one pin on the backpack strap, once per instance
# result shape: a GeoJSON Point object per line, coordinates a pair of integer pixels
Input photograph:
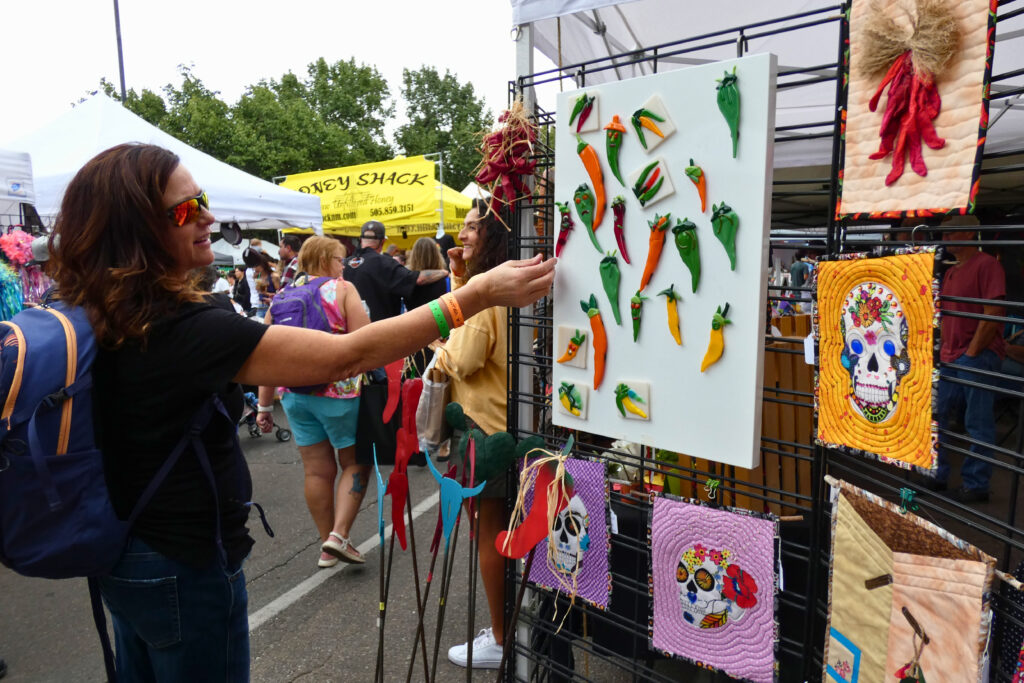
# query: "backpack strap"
{"type": "Point", "coordinates": [100, 619]}
{"type": "Point", "coordinates": [12, 395]}
{"type": "Point", "coordinates": [69, 378]}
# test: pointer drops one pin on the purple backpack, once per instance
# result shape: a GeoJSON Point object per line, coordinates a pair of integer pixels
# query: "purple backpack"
{"type": "Point", "coordinates": [301, 306]}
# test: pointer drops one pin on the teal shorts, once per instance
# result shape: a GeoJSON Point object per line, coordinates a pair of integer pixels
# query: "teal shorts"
{"type": "Point", "coordinates": [318, 418]}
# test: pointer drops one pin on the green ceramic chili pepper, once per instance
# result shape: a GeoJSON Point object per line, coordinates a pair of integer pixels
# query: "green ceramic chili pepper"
{"type": "Point", "coordinates": [627, 399]}
{"type": "Point", "coordinates": [685, 232]}
{"type": "Point", "coordinates": [645, 118]}
{"type": "Point", "coordinates": [610, 278]}
{"type": "Point", "coordinates": [584, 200]}
{"type": "Point", "coordinates": [571, 398]}
{"type": "Point", "coordinates": [612, 144]}
{"type": "Point", "coordinates": [729, 105]}
{"type": "Point", "coordinates": [636, 304]}
{"type": "Point", "coordinates": [724, 222]}
{"type": "Point", "coordinates": [648, 183]}
{"type": "Point", "coordinates": [581, 108]}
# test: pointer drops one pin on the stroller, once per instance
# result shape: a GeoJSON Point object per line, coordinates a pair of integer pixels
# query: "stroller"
{"type": "Point", "coordinates": [249, 420]}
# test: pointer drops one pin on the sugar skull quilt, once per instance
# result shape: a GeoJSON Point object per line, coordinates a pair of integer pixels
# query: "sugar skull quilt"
{"type": "Point", "coordinates": [908, 601]}
{"type": "Point", "coordinates": [876, 320]}
{"type": "Point", "coordinates": [577, 555]}
{"type": "Point", "coordinates": [713, 587]}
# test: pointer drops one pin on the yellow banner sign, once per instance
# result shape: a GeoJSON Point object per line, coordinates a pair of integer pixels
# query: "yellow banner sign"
{"type": "Point", "coordinates": [397, 192]}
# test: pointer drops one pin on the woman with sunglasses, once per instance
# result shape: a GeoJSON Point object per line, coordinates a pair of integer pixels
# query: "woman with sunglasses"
{"type": "Point", "coordinates": [133, 223]}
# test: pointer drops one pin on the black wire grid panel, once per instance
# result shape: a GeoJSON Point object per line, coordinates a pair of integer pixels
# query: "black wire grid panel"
{"type": "Point", "coordinates": [612, 646]}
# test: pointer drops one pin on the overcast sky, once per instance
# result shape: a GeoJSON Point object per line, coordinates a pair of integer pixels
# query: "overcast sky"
{"type": "Point", "coordinates": [56, 51]}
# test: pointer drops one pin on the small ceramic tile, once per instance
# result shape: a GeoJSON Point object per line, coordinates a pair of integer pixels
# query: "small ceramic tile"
{"type": "Point", "coordinates": [591, 115]}
{"type": "Point", "coordinates": [636, 393]}
{"type": "Point", "coordinates": [640, 181]}
{"type": "Point", "coordinates": [573, 397]}
{"type": "Point", "coordinates": [565, 335]}
{"type": "Point", "coordinates": [652, 115]}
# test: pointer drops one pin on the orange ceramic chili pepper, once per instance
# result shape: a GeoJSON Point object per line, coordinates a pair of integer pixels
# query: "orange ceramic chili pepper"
{"type": "Point", "coordinates": [573, 347]}
{"type": "Point", "coordinates": [696, 174]}
{"type": "Point", "coordinates": [593, 165]}
{"type": "Point", "coordinates": [654, 246]}
{"type": "Point", "coordinates": [599, 336]}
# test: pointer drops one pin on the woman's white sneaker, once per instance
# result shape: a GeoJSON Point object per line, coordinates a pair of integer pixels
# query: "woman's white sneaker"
{"type": "Point", "coordinates": [486, 652]}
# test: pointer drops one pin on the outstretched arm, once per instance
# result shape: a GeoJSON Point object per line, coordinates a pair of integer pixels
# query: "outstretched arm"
{"type": "Point", "coordinates": [292, 356]}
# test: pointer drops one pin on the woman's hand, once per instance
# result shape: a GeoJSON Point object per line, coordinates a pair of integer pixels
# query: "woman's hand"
{"type": "Point", "coordinates": [516, 283]}
{"type": "Point", "coordinates": [456, 264]}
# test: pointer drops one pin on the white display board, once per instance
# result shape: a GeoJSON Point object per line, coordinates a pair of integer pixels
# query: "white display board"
{"type": "Point", "coordinates": [715, 414]}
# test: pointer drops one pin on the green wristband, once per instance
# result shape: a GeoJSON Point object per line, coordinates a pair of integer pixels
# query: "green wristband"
{"type": "Point", "coordinates": [442, 324]}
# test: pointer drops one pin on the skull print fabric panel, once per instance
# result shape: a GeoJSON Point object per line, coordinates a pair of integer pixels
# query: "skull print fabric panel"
{"type": "Point", "coordinates": [713, 587]}
{"type": "Point", "coordinates": [875, 320]}
{"type": "Point", "coordinates": [577, 555]}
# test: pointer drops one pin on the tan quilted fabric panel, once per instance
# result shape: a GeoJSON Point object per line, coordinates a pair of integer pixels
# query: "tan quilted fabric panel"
{"type": "Point", "coordinates": [947, 184]}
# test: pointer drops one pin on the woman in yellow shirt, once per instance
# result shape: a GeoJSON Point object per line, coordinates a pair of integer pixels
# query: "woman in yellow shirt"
{"type": "Point", "coordinates": [476, 359]}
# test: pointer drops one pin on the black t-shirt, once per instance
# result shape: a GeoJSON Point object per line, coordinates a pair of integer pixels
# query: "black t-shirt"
{"type": "Point", "coordinates": [382, 282]}
{"type": "Point", "coordinates": [144, 399]}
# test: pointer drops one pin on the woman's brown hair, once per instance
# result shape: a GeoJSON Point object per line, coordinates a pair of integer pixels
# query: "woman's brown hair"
{"type": "Point", "coordinates": [114, 256]}
{"type": "Point", "coordinates": [492, 245]}
{"type": "Point", "coordinates": [425, 255]}
{"type": "Point", "coordinates": [316, 254]}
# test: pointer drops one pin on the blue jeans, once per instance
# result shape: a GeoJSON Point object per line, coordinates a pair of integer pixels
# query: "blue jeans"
{"type": "Point", "coordinates": [176, 623]}
{"type": "Point", "coordinates": [979, 416]}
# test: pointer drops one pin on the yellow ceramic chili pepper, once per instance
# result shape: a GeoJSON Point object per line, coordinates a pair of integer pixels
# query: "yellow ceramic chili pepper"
{"type": "Point", "coordinates": [673, 312]}
{"type": "Point", "coordinates": [716, 345]}
{"type": "Point", "coordinates": [624, 400]}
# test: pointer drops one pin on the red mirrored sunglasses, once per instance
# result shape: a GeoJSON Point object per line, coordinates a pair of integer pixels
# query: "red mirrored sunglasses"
{"type": "Point", "coordinates": [188, 210]}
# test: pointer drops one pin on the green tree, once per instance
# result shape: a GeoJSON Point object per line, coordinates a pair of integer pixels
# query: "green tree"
{"type": "Point", "coordinates": [356, 100]}
{"type": "Point", "coordinates": [148, 105]}
{"type": "Point", "coordinates": [444, 116]}
{"type": "Point", "coordinates": [197, 116]}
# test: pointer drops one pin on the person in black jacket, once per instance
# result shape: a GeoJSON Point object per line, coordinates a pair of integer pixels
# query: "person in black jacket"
{"type": "Point", "coordinates": [240, 293]}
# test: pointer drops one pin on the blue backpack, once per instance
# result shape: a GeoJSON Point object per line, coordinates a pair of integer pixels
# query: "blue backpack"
{"type": "Point", "coordinates": [56, 517]}
{"type": "Point", "coordinates": [300, 305]}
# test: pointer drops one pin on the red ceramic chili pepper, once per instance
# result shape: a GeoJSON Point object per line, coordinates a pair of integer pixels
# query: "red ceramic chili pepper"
{"type": "Point", "coordinates": [565, 226]}
{"type": "Point", "coordinates": [619, 212]}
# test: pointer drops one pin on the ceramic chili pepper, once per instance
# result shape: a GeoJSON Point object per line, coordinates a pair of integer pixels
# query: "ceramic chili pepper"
{"type": "Point", "coordinates": [581, 110]}
{"type": "Point", "coordinates": [645, 118]}
{"type": "Point", "coordinates": [584, 200]}
{"type": "Point", "coordinates": [655, 244]}
{"type": "Point", "coordinates": [619, 213]}
{"type": "Point", "coordinates": [565, 226]}
{"type": "Point", "coordinates": [716, 344]}
{"type": "Point", "coordinates": [673, 312]}
{"type": "Point", "coordinates": [724, 222]}
{"type": "Point", "coordinates": [573, 347]}
{"type": "Point", "coordinates": [570, 398]}
{"type": "Point", "coordinates": [610, 278]}
{"type": "Point", "coordinates": [612, 145]}
{"type": "Point", "coordinates": [588, 155]}
{"type": "Point", "coordinates": [648, 183]}
{"type": "Point", "coordinates": [696, 174]}
{"type": "Point", "coordinates": [685, 232]}
{"type": "Point", "coordinates": [599, 336]}
{"type": "Point", "coordinates": [627, 399]}
{"type": "Point", "coordinates": [636, 311]}
{"type": "Point", "coordinates": [729, 105]}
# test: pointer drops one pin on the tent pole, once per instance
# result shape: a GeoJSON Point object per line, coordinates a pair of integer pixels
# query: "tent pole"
{"type": "Point", "coordinates": [120, 52]}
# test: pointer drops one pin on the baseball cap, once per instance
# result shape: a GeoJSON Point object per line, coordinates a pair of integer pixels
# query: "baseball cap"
{"type": "Point", "coordinates": [373, 230]}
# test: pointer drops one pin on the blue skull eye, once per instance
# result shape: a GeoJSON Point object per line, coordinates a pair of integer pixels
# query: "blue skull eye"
{"type": "Point", "coordinates": [857, 347]}
{"type": "Point", "coordinates": [889, 348]}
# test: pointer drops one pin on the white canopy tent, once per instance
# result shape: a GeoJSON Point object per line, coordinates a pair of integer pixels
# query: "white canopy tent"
{"type": "Point", "coordinates": [569, 32]}
{"type": "Point", "coordinates": [15, 186]}
{"type": "Point", "coordinates": [234, 252]}
{"type": "Point", "coordinates": [63, 146]}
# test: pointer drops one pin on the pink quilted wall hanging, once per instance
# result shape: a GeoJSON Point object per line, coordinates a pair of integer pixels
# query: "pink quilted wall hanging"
{"type": "Point", "coordinates": [713, 586]}
{"type": "Point", "coordinates": [580, 539]}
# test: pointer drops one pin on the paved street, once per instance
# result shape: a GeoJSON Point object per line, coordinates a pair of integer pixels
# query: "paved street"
{"type": "Point", "coordinates": [307, 624]}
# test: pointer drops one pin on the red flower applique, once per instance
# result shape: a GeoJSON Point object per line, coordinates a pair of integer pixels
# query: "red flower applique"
{"type": "Point", "coordinates": [740, 587]}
